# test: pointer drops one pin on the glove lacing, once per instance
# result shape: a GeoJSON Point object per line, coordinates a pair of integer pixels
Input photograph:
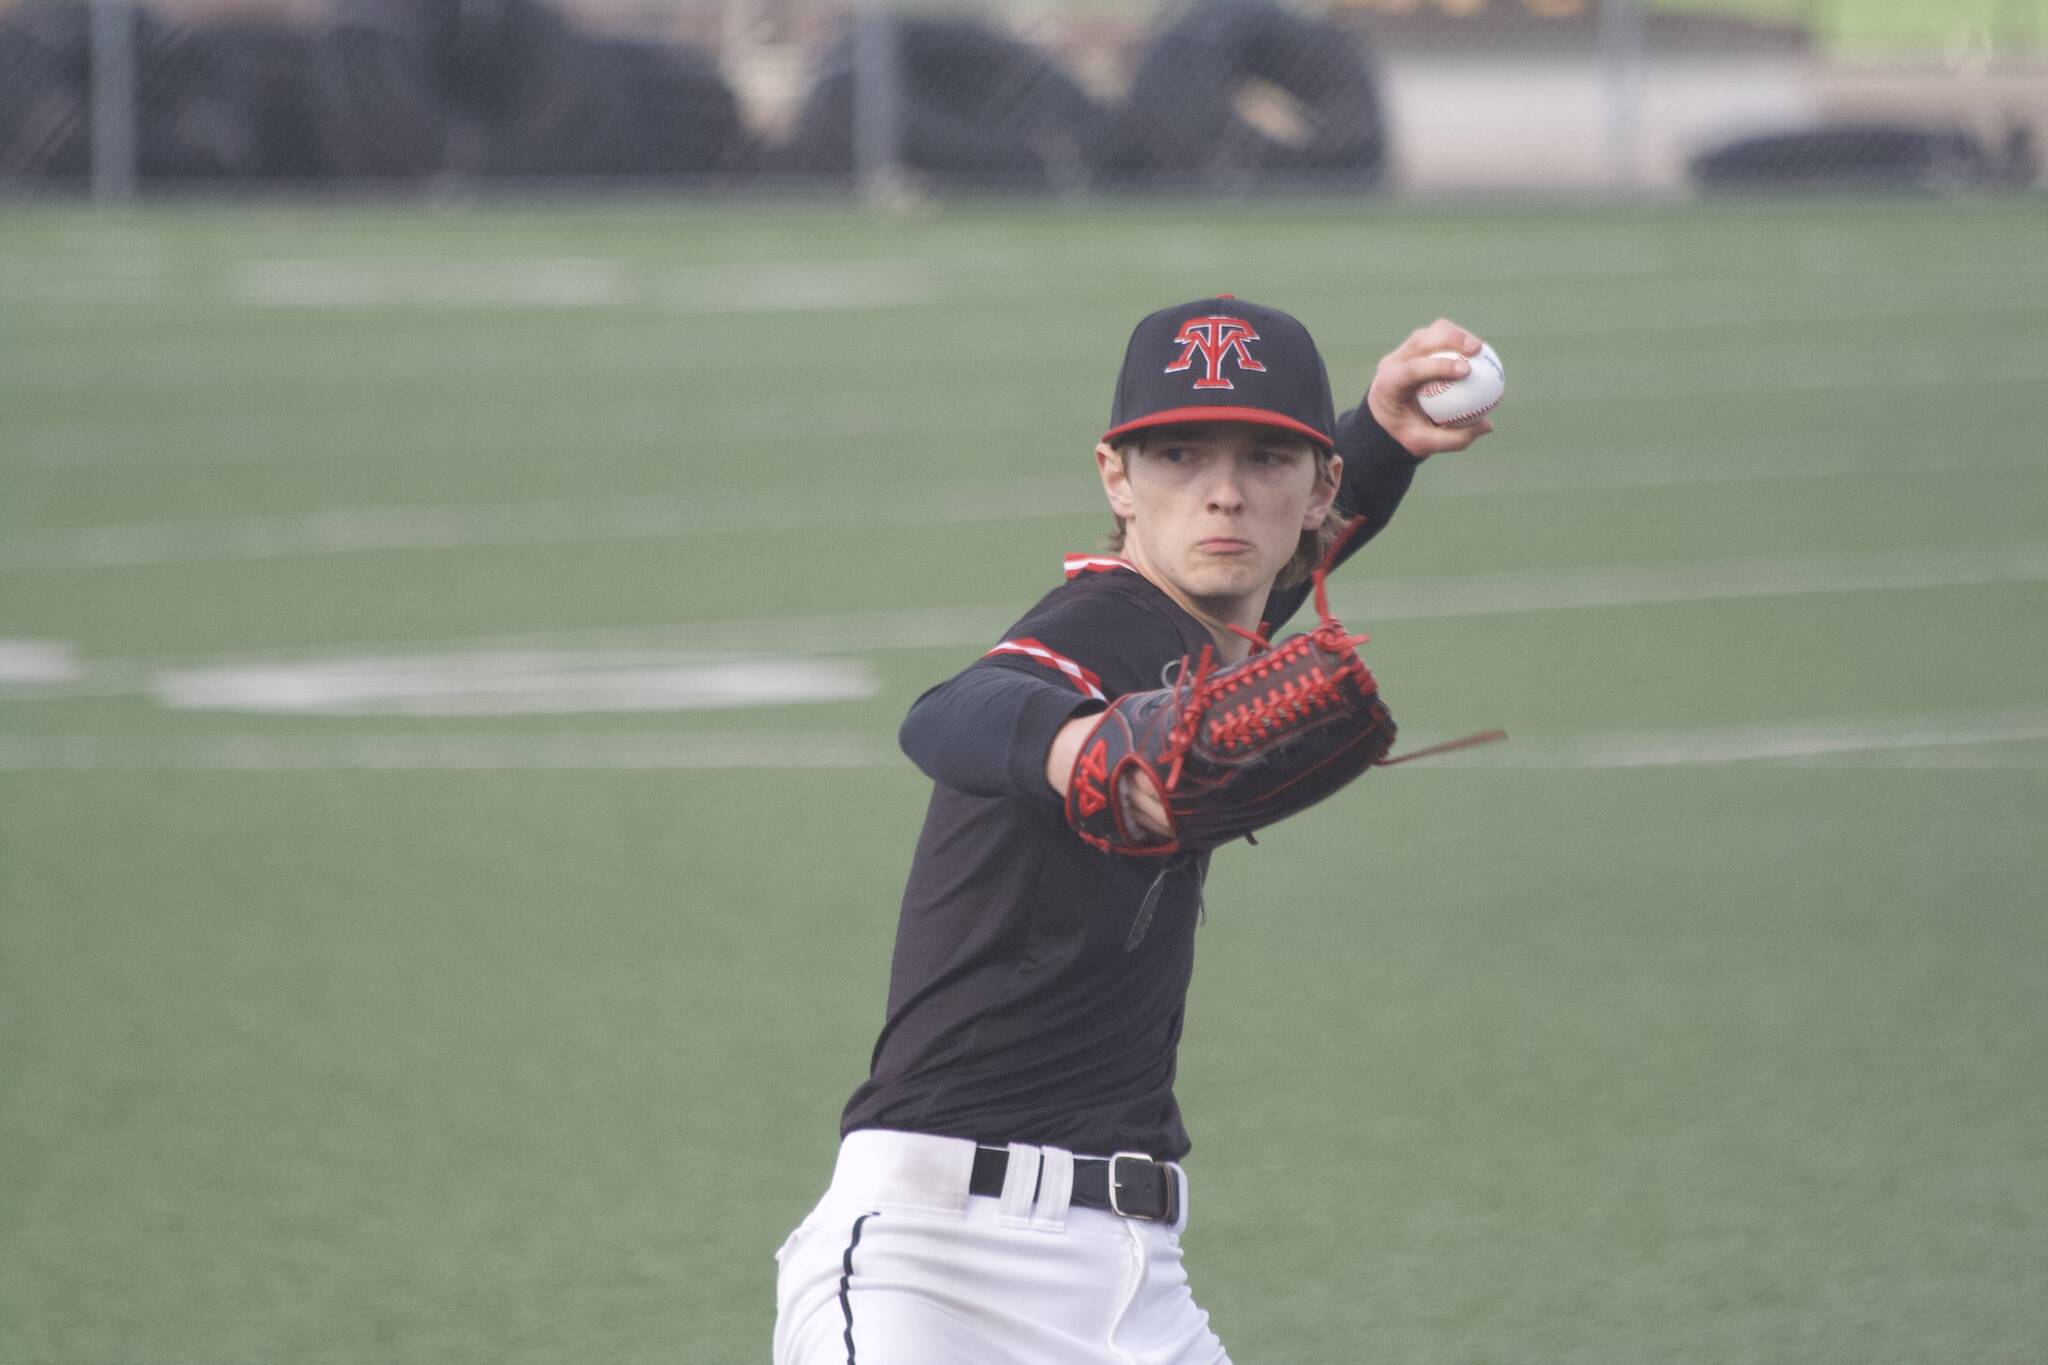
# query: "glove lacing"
{"type": "Point", "coordinates": [1254, 717]}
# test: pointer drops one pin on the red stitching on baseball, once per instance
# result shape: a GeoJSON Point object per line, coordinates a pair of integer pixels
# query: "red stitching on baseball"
{"type": "Point", "coordinates": [1465, 416]}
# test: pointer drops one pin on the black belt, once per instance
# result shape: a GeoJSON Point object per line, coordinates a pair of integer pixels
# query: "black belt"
{"type": "Point", "coordinates": [1128, 1184]}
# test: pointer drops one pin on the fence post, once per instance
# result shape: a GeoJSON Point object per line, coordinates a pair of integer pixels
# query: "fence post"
{"type": "Point", "coordinates": [113, 100]}
{"type": "Point", "coordinates": [1622, 79]}
{"type": "Point", "coordinates": [877, 105]}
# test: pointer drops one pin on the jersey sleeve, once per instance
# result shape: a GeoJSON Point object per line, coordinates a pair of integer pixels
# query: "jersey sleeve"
{"type": "Point", "coordinates": [985, 731]}
{"type": "Point", "coordinates": [1377, 472]}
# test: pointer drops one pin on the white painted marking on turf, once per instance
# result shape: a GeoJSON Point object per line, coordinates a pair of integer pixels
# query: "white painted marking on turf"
{"type": "Point", "coordinates": [1771, 460]}
{"type": "Point", "coordinates": [1916, 741]}
{"type": "Point", "coordinates": [695, 646]}
{"type": "Point", "coordinates": [795, 288]}
{"type": "Point", "coordinates": [783, 750]}
{"type": "Point", "coordinates": [657, 516]}
{"type": "Point", "coordinates": [38, 661]}
{"type": "Point", "coordinates": [578, 282]}
{"type": "Point", "coordinates": [1393, 599]}
{"type": "Point", "coordinates": [1695, 581]}
{"type": "Point", "coordinates": [340, 282]}
{"type": "Point", "coordinates": [384, 435]}
{"type": "Point", "coordinates": [1781, 458]}
{"type": "Point", "coordinates": [500, 684]}
{"type": "Point", "coordinates": [449, 526]}
{"type": "Point", "coordinates": [2011, 738]}
{"type": "Point", "coordinates": [1837, 369]}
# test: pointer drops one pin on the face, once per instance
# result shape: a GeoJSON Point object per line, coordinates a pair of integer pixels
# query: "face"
{"type": "Point", "coordinates": [1216, 509]}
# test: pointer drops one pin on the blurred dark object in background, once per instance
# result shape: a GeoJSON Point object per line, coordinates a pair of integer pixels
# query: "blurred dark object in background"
{"type": "Point", "coordinates": [976, 107]}
{"type": "Point", "coordinates": [1866, 156]}
{"type": "Point", "coordinates": [229, 99]}
{"type": "Point", "coordinates": [404, 89]}
{"type": "Point", "coordinates": [1244, 92]}
{"type": "Point", "coordinates": [45, 73]}
{"type": "Point", "coordinates": [413, 88]}
{"type": "Point", "coordinates": [213, 101]}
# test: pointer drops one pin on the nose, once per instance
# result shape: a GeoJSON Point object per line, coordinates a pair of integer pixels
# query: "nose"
{"type": "Point", "coordinates": [1224, 494]}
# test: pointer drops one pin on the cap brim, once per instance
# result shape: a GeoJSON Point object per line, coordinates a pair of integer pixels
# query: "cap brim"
{"type": "Point", "coordinates": [1259, 417]}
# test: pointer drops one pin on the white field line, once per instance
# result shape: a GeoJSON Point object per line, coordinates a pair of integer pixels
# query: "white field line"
{"type": "Point", "coordinates": [513, 683]}
{"type": "Point", "coordinates": [501, 282]}
{"type": "Point", "coordinates": [103, 442]}
{"type": "Point", "coordinates": [38, 661]}
{"type": "Point", "coordinates": [110, 441]}
{"type": "Point", "coordinates": [444, 752]}
{"type": "Point", "coordinates": [1428, 598]}
{"type": "Point", "coordinates": [1687, 303]}
{"type": "Point", "coordinates": [1905, 741]}
{"type": "Point", "coordinates": [673, 517]}
{"type": "Point", "coordinates": [1697, 581]}
{"type": "Point", "coordinates": [645, 650]}
{"type": "Point", "coordinates": [1770, 460]}
{"type": "Point", "coordinates": [1836, 369]}
{"type": "Point", "coordinates": [567, 520]}
{"type": "Point", "coordinates": [1970, 740]}
{"type": "Point", "coordinates": [1498, 258]}
{"type": "Point", "coordinates": [1868, 368]}
{"type": "Point", "coordinates": [576, 282]}
{"type": "Point", "coordinates": [798, 287]}
{"type": "Point", "coordinates": [702, 644]}
{"type": "Point", "coordinates": [1863, 360]}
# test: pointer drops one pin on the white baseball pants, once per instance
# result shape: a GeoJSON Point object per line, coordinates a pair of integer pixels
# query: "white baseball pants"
{"type": "Point", "coordinates": [899, 1265]}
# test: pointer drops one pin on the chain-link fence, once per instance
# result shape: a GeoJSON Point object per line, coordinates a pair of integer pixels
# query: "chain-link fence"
{"type": "Point", "coordinates": [1050, 96]}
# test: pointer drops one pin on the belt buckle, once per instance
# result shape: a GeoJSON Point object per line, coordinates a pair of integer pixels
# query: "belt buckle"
{"type": "Point", "coordinates": [1171, 1184]}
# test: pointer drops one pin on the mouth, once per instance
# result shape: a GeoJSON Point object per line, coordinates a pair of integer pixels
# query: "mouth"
{"type": "Point", "coordinates": [1223, 545]}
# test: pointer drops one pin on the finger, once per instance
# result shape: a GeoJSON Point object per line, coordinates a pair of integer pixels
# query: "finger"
{"type": "Point", "coordinates": [1409, 375]}
{"type": "Point", "coordinates": [1152, 814]}
{"type": "Point", "coordinates": [1449, 440]}
{"type": "Point", "coordinates": [1441, 335]}
{"type": "Point", "coordinates": [1146, 807]}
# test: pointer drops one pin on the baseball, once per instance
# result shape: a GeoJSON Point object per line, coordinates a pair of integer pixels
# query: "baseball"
{"type": "Point", "coordinates": [1464, 401]}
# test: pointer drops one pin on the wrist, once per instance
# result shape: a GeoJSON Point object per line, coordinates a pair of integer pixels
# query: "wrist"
{"type": "Point", "coordinates": [1065, 748]}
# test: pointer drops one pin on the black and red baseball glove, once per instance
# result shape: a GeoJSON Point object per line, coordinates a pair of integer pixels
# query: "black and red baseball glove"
{"type": "Point", "coordinates": [1232, 750]}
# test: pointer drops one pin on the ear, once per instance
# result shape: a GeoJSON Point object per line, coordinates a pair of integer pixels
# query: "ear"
{"type": "Point", "coordinates": [1325, 495]}
{"type": "Point", "coordinates": [1116, 480]}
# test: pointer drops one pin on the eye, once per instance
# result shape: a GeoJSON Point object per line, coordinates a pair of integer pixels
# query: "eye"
{"type": "Point", "coordinates": [1175, 454]}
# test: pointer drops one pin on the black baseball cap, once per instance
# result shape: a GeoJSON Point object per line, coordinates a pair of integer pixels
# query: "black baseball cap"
{"type": "Point", "coordinates": [1223, 359]}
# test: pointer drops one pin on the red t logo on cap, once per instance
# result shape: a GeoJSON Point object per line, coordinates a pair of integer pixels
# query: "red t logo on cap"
{"type": "Point", "coordinates": [1217, 338]}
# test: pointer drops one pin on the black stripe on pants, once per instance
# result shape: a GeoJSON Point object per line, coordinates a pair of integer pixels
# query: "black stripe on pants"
{"type": "Point", "coordinates": [846, 1284]}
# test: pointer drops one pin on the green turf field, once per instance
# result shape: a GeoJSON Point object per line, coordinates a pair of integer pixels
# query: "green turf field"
{"type": "Point", "coordinates": [1873, 27]}
{"type": "Point", "coordinates": [450, 825]}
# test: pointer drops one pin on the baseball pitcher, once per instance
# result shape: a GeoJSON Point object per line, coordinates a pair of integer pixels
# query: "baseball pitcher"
{"type": "Point", "coordinates": [1009, 1188]}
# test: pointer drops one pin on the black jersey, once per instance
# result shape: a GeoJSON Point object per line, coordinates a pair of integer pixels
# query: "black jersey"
{"type": "Point", "coordinates": [1016, 1011]}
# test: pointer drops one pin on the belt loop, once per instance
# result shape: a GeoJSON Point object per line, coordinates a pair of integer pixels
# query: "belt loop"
{"type": "Point", "coordinates": [1055, 1189]}
{"type": "Point", "coordinates": [1020, 1186]}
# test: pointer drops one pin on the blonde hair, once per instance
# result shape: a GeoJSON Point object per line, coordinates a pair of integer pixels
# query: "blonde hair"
{"type": "Point", "coordinates": [1315, 542]}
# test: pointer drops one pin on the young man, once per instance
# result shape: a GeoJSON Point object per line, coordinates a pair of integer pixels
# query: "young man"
{"type": "Point", "coordinates": [1008, 1189]}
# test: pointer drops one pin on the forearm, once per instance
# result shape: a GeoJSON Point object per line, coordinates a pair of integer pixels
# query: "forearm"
{"type": "Point", "coordinates": [988, 731]}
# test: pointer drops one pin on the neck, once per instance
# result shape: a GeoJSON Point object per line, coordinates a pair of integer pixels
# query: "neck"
{"type": "Point", "coordinates": [1217, 615]}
